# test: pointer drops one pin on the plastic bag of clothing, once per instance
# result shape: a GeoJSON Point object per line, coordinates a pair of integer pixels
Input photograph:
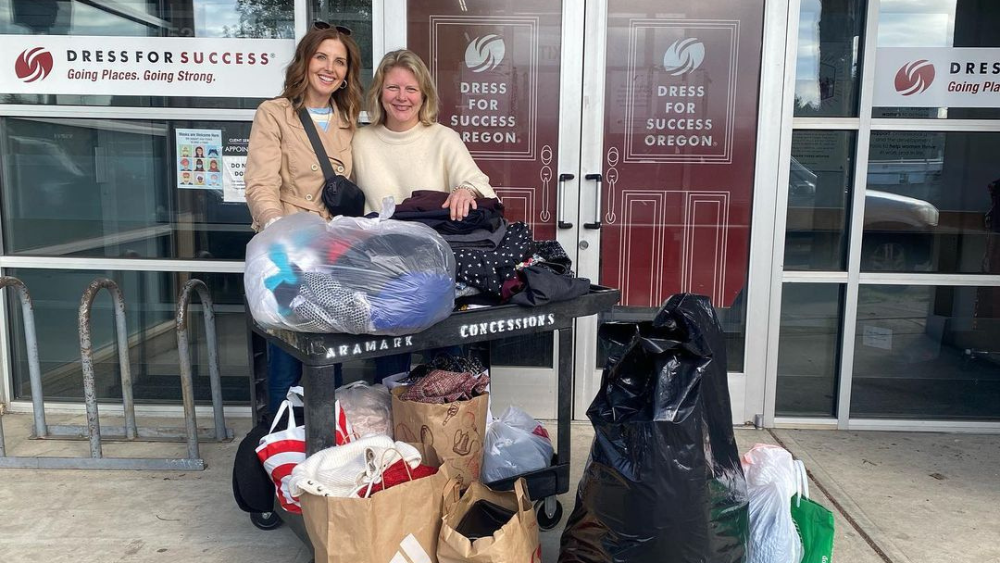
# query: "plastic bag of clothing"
{"type": "Point", "coordinates": [349, 275]}
{"type": "Point", "coordinates": [663, 483]}
{"type": "Point", "coordinates": [514, 444]}
{"type": "Point", "coordinates": [368, 408]}
{"type": "Point", "coordinates": [773, 478]}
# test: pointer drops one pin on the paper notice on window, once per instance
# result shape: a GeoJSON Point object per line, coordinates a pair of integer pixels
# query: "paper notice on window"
{"type": "Point", "coordinates": [234, 163]}
{"type": "Point", "coordinates": [199, 159]}
{"type": "Point", "coordinates": [233, 187]}
{"type": "Point", "coordinates": [877, 337]}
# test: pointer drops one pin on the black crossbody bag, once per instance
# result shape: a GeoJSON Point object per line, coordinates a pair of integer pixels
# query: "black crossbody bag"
{"type": "Point", "coordinates": [340, 195]}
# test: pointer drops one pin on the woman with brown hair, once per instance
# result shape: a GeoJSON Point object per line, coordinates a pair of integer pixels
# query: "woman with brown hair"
{"type": "Point", "coordinates": [282, 171]}
{"type": "Point", "coordinates": [283, 175]}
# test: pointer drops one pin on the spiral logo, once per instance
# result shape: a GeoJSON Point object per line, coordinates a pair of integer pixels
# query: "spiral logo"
{"type": "Point", "coordinates": [33, 64]}
{"type": "Point", "coordinates": [684, 56]}
{"type": "Point", "coordinates": [914, 78]}
{"type": "Point", "coordinates": [485, 53]}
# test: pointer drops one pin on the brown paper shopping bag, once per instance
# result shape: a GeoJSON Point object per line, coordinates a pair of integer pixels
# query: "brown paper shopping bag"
{"type": "Point", "coordinates": [446, 434]}
{"type": "Point", "coordinates": [515, 542]}
{"type": "Point", "coordinates": [398, 525]}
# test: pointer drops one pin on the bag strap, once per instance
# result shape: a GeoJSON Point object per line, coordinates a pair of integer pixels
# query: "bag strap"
{"type": "Point", "coordinates": [313, 134]}
{"type": "Point", "coordinates": [284, 407]}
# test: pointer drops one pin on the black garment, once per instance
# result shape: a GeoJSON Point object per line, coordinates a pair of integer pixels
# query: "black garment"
{"type": "Point", "coordinates": [432, 200]}
{"type": "Point", "coordinates": [482, 239]}
{"type": "Point", "coordinates": [552, 251]}
{"type": "Point", "coordinates": [548, 283]}
{"type": "Point", "coordinates": [440, 220]}
{"type": "Point", "coordinates": [487, 269]}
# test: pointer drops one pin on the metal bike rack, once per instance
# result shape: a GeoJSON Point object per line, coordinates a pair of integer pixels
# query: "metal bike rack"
{"type": "Point", "coordinates": [31, 343]}
{"type": "Point", "coordinates": [94, 432]}
{"type": "Point", "coordinates": [221, 433]}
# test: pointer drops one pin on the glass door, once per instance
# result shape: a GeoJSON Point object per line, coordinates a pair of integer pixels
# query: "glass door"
{"type": "Point", "coordinates": [627, 130]}
{"type": "Point", "coordinates": [509, 90]}
{"type": "Point", "coordinates": [669, 155]}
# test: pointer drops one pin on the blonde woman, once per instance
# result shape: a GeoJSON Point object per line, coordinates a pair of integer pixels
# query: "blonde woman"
{"type": "Point", "coordinates": [405, 148]}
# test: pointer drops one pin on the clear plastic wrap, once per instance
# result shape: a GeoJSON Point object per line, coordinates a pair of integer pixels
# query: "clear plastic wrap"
{"type": "Point", "coordinates": [515, 444]}
{"type": "Point", "coordinates": [368, 408]}
{"type": "Point", "coordinates": [349, 275]}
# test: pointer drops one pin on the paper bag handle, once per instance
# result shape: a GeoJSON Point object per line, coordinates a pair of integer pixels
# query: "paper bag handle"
{"type": "Point", "coordinates": [452, 494]}
{"type": "Point", "coordinates": [374, 471]}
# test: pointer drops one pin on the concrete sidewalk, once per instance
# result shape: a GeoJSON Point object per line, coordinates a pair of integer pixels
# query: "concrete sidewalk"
{"type": "Point", "coordinates": [897, 498]}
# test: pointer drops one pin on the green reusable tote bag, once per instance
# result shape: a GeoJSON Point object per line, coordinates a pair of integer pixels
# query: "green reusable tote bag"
{"type": "Point", "coordinates": [815, 525]}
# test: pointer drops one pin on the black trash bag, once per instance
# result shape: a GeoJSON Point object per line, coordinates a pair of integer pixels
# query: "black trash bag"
{"type": "Point", "coordinates": [253, 488]}
{"type": "Point", "coordinates": [663, 483]}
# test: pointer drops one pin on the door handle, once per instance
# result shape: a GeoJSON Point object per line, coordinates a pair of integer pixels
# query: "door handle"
{"type": "Point", "coordinates": [561, 201]}
{"type": "Point", "coordinates": [596, 225]}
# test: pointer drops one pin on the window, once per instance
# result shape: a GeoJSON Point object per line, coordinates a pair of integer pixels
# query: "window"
{"type": "Point", "coordinates": [150, 301]}
{"type": "Point", "coordinates": [819, 200]}
{"type": "Point", "coordinates": [928, 352]}
{"type": "Point", "coordinates": [927, 201]}
{"type": "Point", "coordinates": [826, 73]}
{"type": "Point", "coordinates": [110, 188]}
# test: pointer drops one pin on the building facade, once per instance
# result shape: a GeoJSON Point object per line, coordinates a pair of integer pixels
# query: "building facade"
{"type": "Point", "coordinates": [820, 168]}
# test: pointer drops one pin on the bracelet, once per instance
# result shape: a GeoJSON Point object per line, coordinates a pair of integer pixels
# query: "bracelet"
{"type": "Point", "coordinates": [464, 187]}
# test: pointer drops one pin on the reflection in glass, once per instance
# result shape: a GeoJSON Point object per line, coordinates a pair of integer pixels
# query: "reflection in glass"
{"type": "Point", "coordinates": [105, 188]}
{"type": "Point", "coordinates": [809, 349]}
{"type": "Point", "coordinates": [732, 319]}
{"type": "Point", "coordinates": [251, 19]}
{"type": "Point", "coordinates": [938, 23]}
{"type": "Point", "coordinates": [927, 352]}
{"type": "Point", "coordinates": [357, 16]}
{"type": "Point", "coordinates": [150, 298]}
{"type": "Point", "coordinates": [819, 200]}
{"type": "Point", "coordinates": [927, 201]}
{"type": "Point", "coordinates": [826, 69]}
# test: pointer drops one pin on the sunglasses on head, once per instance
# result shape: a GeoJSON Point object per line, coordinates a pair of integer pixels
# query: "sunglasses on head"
{"type": "Point", "coordinates": [318, 24]}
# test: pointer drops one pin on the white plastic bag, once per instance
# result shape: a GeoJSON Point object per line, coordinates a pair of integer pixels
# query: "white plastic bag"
{"type": "Point", "coordinates": [368, 408]}
{"type": "Point", "coordinates": [514, 444]}
{"type": "Point", "coordinates": [349, 275]}
{"type": "Point", "coordinates": [772, 479]}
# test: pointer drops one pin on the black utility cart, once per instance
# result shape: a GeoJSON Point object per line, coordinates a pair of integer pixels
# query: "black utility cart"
{"type": "Point", "coordinates": [319, 353]}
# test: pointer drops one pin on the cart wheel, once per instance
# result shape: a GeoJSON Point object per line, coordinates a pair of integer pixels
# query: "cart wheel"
{"type": "Point", "coordinates": [265, 520]}
{"type": "Point", "coordinates": [548, 521]}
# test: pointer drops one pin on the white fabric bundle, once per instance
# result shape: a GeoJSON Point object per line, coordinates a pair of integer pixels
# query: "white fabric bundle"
{"type": "Point", "coordinates": [343, 471]}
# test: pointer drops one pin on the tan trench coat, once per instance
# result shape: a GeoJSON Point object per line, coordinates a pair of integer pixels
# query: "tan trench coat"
{"type": "Point", "coordinates": [283, 175]}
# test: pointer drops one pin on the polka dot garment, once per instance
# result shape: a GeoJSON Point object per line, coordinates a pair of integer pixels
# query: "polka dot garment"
{"type": "Point", "coordinates": [488, 269]}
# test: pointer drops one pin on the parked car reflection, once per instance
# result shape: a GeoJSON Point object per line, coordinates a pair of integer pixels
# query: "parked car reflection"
{"type": "Point", "coordinates": [898, 229]}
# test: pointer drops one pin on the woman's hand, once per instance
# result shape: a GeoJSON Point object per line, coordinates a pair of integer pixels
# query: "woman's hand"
{"type": "Point", "coordinates": [461, 201]}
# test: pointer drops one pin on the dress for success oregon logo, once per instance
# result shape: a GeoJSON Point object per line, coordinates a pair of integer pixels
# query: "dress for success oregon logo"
{"type": "Point", "coordinates": [33, 64]}
{"type": "Point", "coordinates": [914, 78]}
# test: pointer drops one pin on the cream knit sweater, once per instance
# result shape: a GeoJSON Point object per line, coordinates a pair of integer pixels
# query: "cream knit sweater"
{"type": "Point", "coordinates": [432, 157]}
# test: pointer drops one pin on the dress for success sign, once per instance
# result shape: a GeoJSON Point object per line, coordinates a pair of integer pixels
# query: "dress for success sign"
{"type": "Point", "coordinates": [937, 77]}
{"type": "Point", "coordinates": [143, 66]}
{"type": "Point", "coordinates": [674, 112]}
{"type": "Point", "coordinates": [487, 71]}
{"type": "Point", "coordinates": [497, 72]}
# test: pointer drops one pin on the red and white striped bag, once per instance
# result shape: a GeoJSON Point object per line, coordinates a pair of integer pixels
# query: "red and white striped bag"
{"type": "Point", "coordinates": [281, 450]}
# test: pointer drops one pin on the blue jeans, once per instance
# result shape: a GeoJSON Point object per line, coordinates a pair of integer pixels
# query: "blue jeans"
{"type": "Point", "coordinates": [283, 372]}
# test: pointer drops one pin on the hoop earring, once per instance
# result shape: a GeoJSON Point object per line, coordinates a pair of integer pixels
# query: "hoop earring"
{"type": "Point", "coordinates": [343, 84]}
